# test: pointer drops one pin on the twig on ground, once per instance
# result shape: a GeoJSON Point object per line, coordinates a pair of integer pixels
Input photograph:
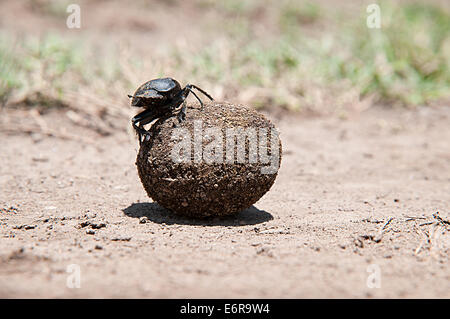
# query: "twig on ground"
{"type": "Point", "coordinates": [387, 223]}
{"type": "Point", "coordinates": [410, 218]}
{"type": "Point", "coordinates": [432, 238]}
{"type": "Point", "coordinates": [440, 220]}
{"type": "Point", "coordinates": [425, 240]}
{"type": "Point", "coordinates": [380, 233]}
{"type": "Point", "coordinates": [424, 224]}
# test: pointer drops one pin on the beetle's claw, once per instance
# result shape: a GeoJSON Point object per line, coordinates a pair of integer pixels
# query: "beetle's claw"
{"type": "Point", "coordinates": [181, 117]}
{"type": "Point", "coordinates": [144, 137]}
{"type": "Point", "coordinates": [147, 137]}
{"type": "Point", "coordinates": [141, 132]}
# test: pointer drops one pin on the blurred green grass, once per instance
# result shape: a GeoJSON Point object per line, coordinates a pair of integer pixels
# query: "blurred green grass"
{"type": "Point", "coordinates": [316, 61]}
{"type": "Point", "coordinates": [405, 61]}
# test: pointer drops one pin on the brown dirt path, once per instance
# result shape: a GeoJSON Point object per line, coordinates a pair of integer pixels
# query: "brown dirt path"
{"type": "Point", "coordinates": [324, 222]}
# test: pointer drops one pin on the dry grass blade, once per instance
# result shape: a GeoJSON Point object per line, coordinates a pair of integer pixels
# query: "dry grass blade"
{"type": "Point", "coordinates": [423, 242]}
{"type": "Point", "coordinates": [431, 239]}
{"type": "Point", "coordinates": [441, 221]}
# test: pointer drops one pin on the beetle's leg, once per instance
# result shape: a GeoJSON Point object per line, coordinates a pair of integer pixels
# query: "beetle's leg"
{"type": "Point", "coordinates": [173, 106]}
{"type": "Point", "coordinates": [197, 88]}
{"type": "Point", "coordinates": [190, 87]}
{"type": "Point", "coordinates": [140, 131]}
{"type": "Point", "coordinates": [201, 103]}
{"type": "Point", "coordinates": [147, 135]}
{"type": "Point", "coordinates": [142, 118]}
{"type": "Point", "coordinates": [182, 113]}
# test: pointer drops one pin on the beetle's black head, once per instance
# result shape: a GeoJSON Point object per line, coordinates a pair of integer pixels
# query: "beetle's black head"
{"type": "Point", "coordinates": [140, 101]}
{"type": "Point", "coordinates": [146, 98]}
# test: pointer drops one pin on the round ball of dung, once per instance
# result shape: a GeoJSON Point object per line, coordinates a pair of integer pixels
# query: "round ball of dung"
{"type": "Point", "coordinates": [219, 161]}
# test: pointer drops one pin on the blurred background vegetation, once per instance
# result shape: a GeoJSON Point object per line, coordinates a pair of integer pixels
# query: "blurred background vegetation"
{"type": "Point", "coordinates": [316, 56]}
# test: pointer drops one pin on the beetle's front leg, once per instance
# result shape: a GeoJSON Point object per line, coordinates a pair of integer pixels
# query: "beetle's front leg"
{"type": "Point", "coordinates": [182, 113]}
{"type": "Point", "coordinates": [143, 132]}
{"type": "Point", "coordinates": [190, 88]}
{"type": "Point", "coordinates": [140, 131]}
{"type": "Point", "coordinates": [175, 104]}
{"type": "Point", "coordinates": [142, 118]}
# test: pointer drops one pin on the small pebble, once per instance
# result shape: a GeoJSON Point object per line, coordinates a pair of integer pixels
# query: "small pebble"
{"type": "Point", "coordinates": [143, 220]}
{"type": "Point", "coordinates": [121, 239]}
{"type": "Point", "coordinates": [97, 225]}
{"type": "Point", "coordinates": [90, 214]}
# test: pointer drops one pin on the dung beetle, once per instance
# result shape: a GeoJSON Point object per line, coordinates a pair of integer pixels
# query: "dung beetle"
{"type": "Point", "coordinates": [161, 97]}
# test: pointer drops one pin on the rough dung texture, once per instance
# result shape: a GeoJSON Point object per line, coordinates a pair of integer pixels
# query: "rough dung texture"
{"type": "Point", "coordinates": [199, 189]}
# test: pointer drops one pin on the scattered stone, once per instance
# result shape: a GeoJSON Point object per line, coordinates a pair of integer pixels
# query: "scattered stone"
{"type": "Point", "coordinates": [90, 215]}
{"type": "Point", "coordinates": [42, 159]}
{"type": "Point", "coordinates": [84, 224]}
{"type": "Point", "coordinates": [11, 210]}
{"type": "Point", "coordinates": [273, 231]}
{"type": "Point", "coordinates": [264, 251]}
{"type": "Point", "coordinates": [121, 239]}
{"type": "Point", "coordinates": [90, 231]}
{"type": "Point", "coordinates": [143, 220]}
{"type": "Point", "coordinates": [26, 227]}
{"type": "Point", "coordinates": [97, 225]}
{"type": "Point", "coordinates": [92, 225]}
{"type": "Point", "coordinates": [358, 243]}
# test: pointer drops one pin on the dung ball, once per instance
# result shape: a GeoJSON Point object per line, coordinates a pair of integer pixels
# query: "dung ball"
{"type": "Point", "coordinates": [219, 161]}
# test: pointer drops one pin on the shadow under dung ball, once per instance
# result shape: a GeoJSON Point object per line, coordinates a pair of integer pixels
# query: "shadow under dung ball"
{"type": "Point", "coordinates": [217, 162]}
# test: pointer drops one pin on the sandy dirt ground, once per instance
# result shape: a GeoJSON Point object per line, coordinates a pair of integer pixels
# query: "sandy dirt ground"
{"type": "Point", "coordinates": [354, 201]}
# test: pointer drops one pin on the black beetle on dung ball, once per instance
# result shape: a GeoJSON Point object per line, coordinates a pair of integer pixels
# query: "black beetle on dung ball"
{"type": "Point", "coordinates": [160, 97]}
{"type": "Point", "coordinates": [192, 184]}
